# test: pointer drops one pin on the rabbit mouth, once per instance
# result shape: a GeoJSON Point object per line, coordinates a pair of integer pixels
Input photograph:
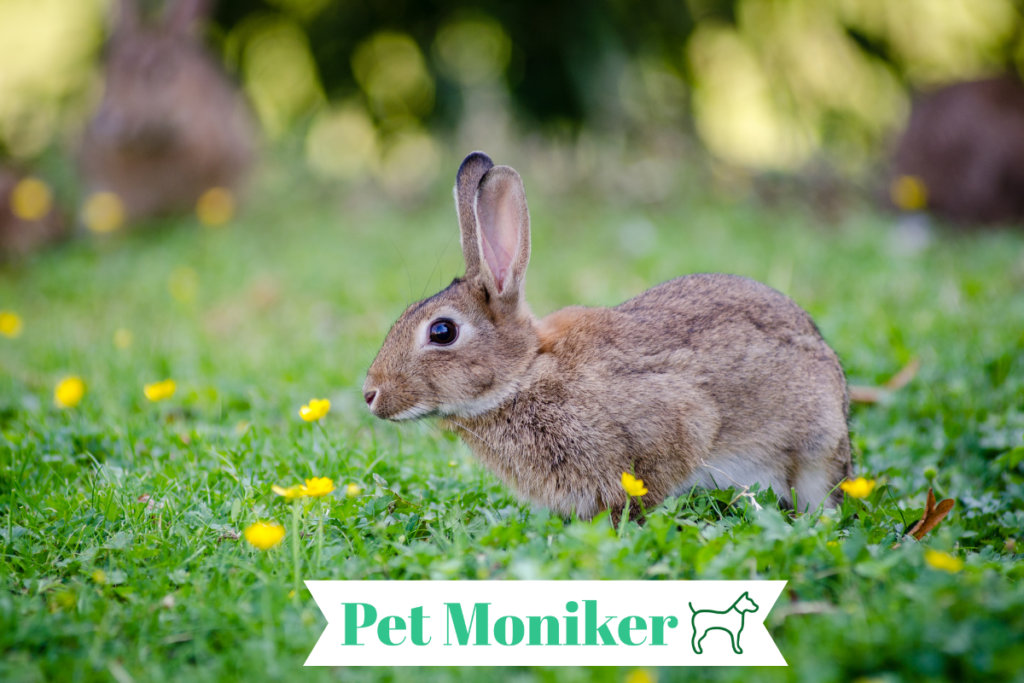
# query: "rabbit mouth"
{"type": "Point", "coordinates": [414, 413]}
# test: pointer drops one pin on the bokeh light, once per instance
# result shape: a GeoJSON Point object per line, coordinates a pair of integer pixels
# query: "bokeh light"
{"type": "Point", "coordinates": [391, 70]}
{"type": "Point", "coordinates": [278, 70]}
{"type": "Point", "coordinates": [103, 212]}
{"type": "Point", "coordinates": [473, 50]}
{"type": "Point", "coordinates": [410, 163]}
{"type": "Point", "coordinates": [734, 104]}
{"type": "Point", "coordinates": [123, 338]}
{"type": "Point", "coordinates": [909, 193]}
{"type": "Point", "coordinates": [215, 207]}
{"type": "Point", "coordinates": [31, 199]}
{"type": "Point", "coordinates": [183, 284]}
{"type": "Point", "coordinates": [45, 58]}
{"type": "Point", "coordinates": [342, 143]}
{"type": "Point", "coordinates": [938, 40]}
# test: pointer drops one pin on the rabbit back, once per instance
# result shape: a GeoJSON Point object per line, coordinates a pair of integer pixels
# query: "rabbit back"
{"type": "Point", "coordinates": [706, 379]}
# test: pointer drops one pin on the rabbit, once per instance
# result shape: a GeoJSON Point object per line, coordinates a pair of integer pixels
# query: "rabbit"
{"type": "Point", "coordinates": [20, 236]}
{"type": "Point", "coordinates": [706, 379]}
{"type": "Point", "coordinates": [171, 124]}
{"type": "Point", "coordinates": [965, 144]}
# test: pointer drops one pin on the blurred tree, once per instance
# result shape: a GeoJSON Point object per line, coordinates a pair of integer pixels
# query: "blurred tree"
{"type": "Point", "coordinates": [557, 46]}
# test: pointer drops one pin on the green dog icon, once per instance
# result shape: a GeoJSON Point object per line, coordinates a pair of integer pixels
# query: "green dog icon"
{"type": "Point", "coordinates": [729, 620]}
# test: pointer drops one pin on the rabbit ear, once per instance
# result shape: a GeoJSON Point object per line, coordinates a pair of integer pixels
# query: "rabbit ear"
{"type": "Point", "coordinates": [182, 15]}
{"type": "Point", "coordinates": [467, 180]}
{"type": "Point", "coordinates": [503, 225]}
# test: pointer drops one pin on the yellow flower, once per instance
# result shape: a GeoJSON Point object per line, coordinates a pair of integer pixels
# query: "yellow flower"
{"type": "Point", "coordinates": [314, 488]}
{"type": "Point", "coordinates": [943, 561]}
{"type": "Point", "coordinates": [158, 391]}
{"type": "Point", "coordinates": [264, 535]}
{"type": "Point", "coordinates": [832, 544]}
{"type": "Point", "coordinates": [315, 409]}
{"type": "Point", "coordinates": [633, 486]}
{"type": "Point", "coordinates": [69, 392]}
{"type": "Point", "coordinates": [215, 207]}
{"type": "Point", "coordinates": [292, 492]}
{"type": "Point", "coordinates": [123, 338]}
{"type": "Point", "coordinates": [353, 490]}
{"type": "Point", "coordinates": [31, 199]}
{"type": "Point", "coordinates": [99, 576]}
{"type": "Point", "coordinates": [10, 324]}
{"type": "Point", "coordinates": [641, 676]}
{"type": "Point", "coordinates": [103, 212]}
{"type": "Point", "coordinates": [859, 487]}
{"type": "Point", "coordinates": [318, 486]}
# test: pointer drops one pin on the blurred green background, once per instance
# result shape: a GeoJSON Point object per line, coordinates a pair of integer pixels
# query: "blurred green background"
{"type": "Point", "coordinates": [385, 89]}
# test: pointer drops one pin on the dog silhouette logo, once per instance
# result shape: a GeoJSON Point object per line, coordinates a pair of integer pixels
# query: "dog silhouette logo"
{"type": "Point", "coordinates": [729, 620]}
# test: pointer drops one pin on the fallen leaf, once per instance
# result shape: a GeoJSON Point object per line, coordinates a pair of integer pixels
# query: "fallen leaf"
{"type": "Point", "coordinates": [933, 514]}
{"type": "Point", "coordinates": [866, 394]}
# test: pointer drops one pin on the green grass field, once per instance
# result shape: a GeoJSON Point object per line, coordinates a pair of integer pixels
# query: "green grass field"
{"type": "Point", "coordinates": [120, 518]}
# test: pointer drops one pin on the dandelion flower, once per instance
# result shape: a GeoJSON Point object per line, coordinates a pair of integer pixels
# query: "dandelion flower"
{"type": "Point", "coordinates": [292, 492]}
{"type": "Point", "coordinates": [158, 391]}
{"type": "Point", "coordinates": [859, 487]}
{"type": "Point", "coordinates": [215, 207]}
{"type": "Point", "coordinates": [103, 212]}
{"type": "Point", "coordinates": [353, 490]}
{"type": "Point", "coordinates": [31, 199]}
{"type": "Point", "coordinates": [318, 486]}
{"type": "Point", "coordinates": [69, 392]}
{"type": "Point", "coordinates": [943, 561]}
{"type": "Point", "coordinates": [633, 486]}
{"type": "Point", "coordinates": [123, 338]}
{"type": "Point", "coordinates": [10, 324]}
{"type": "Point", "coordinates": [99, 576]}
{"type": "Point", "coordinates": [315, 409]}
{"type": "Point", "coordinates": [264, 535]}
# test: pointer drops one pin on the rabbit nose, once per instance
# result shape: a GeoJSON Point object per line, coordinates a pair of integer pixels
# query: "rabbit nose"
{"type": "Point", "coordinates": [369, 396]}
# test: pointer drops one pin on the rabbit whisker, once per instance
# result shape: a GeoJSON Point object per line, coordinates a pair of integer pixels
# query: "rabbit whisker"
{"type": "Point", "coordinates": [485, 441]}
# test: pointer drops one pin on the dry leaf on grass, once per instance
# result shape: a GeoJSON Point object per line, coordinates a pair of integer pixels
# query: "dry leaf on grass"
{"type": "Point", "coordinates": [865, 394]}
{"type": "Point", "coordinates": [933, 514]}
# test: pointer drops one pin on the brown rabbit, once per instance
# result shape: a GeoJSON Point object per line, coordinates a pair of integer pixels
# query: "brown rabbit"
{"type": "Point", "coordinates": [706, 379]}
{"type": "Point", "coordinates": [171, 124]}
{"type": "Point", "coordinates": [22, 235]}
{"type": "Point", "coordinates": [965, 144]}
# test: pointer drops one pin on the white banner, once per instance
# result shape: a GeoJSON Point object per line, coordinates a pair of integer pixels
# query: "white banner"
{"type": "Point", "coordinates": [545, 623]}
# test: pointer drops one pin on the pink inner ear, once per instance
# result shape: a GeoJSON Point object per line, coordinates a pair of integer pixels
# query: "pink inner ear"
{"type": "Point", "coordinates": [499, 227]}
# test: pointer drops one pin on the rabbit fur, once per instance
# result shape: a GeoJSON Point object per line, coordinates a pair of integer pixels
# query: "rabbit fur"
{"type": "Point", "coordinates": [706, 379]}
{"type": "Point", "coordinates": [171, 125]}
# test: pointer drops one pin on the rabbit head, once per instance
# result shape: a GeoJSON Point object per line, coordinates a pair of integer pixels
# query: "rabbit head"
{"type": "Point", "coordinates": [460, 352]}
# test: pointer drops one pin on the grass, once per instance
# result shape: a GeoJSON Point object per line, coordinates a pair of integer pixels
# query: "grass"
{"type": "Point", "coordinates": [119, 518]}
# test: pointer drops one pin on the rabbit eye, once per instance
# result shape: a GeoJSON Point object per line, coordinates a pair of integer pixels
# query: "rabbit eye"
{"type": "Point", "coordinates": [443, 332]}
